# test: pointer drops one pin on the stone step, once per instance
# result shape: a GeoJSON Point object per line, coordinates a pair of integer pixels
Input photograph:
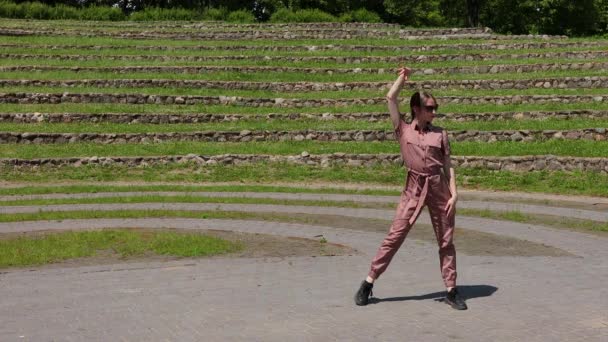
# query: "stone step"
{"type": "Point", "coordinates": [286, 35]}
{"type": "Point", "coordinates": [54, 98]}
{"type": "Point", "coordinates": [516, 163]}
{"type": "Point", "coordinates": [168, 118]}
{"type": "Point", "coordinates": [337, 47]}
{"type": "Point", "coordinates": [223, 25]}
{"type": "Point", "coordinates": [257, 30]}
{"type": "Point", "coordinates": [595, 134]}
{"type": "Point", "coordinates": [330, 59]}
{"type": "Point", "coordinates": [587, 82]}
{"type": "Point", "coordinates": [477, 69]}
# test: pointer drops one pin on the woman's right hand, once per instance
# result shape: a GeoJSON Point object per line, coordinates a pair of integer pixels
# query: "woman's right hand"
{"type": "Point", "coordinates": [405, 72]}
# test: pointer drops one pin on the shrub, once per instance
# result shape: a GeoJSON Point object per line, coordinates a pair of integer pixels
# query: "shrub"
{"type": "Point", "coordinates": [61, 11]}
{"type": "Point", "coordinates": [360, 16]}
{"type": "Point", "coordinates": [157, 13]}
{"type": "Point", "coordinates": [36, 10]}
{"type": "Point", "coordinates": [216, 14]}
{"type": "Point", "coordinates": [285, 15]}
{"type": "Point", "coordinates": [101, 13]}
{"type": "Point", "coordinates": [10, 10]}
{"type": "Point", "coordinates": [241, 16]}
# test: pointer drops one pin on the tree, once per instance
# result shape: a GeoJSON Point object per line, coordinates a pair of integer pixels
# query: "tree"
{"type": "Point", "coordinates": [415, 12]}
{"type": "Point", "coordinates": [473, 7]}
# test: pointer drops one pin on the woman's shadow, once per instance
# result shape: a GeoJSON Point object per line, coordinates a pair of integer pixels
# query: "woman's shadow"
{"type": "Point", "coordinates": [466, 291]}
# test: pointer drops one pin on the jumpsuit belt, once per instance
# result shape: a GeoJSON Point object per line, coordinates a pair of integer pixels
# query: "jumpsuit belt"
{"type": "Point", "coordinates": [425, 188]}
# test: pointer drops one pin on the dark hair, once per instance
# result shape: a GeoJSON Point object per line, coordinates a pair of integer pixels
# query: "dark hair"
{"type": "Point", "coordinates": [417, 99]}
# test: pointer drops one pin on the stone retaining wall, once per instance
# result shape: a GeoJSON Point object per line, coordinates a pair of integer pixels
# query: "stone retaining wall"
{"type": "Point", "coordinates": [293, 34]}
{"type": "Point", "coordinates": [136, 118]}
{"type": "Point", "coordinates": [223, 25]}
{"type": "Point", "coordinates": [54, 98]}
{"type": "Point", "coordinates": [589, 55]}
{"type": "Point", "coordinates": [364, 48]}
{"type": "Point", "coordinates": [564, 82]}
{"type": "Point", "coordinates": [206, 28]}
{"type": "Point", "coordinates": [597, 134]}
{"type": "Point", "coordinates": [479, 69]}
{"type": "Point", "coordinates": [520, 164]}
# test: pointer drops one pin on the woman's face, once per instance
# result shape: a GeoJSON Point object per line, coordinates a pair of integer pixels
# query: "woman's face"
{"type": "Point", "coordinates": [427, 110]}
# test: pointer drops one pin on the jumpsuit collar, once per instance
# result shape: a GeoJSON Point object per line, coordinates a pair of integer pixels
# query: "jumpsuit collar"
{"type": "Point", "coordinates": [424, 129]}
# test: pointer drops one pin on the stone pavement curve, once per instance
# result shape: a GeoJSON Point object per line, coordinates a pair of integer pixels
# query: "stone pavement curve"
{"type": "Point", "coordinates": [308, 298]}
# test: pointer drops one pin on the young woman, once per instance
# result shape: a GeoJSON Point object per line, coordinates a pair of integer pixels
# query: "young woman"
{"type": "Point", "coordinates": [425, 150]}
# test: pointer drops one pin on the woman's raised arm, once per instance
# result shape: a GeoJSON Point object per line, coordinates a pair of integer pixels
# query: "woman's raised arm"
{"type": "Point", "coordinates": [393, 102]}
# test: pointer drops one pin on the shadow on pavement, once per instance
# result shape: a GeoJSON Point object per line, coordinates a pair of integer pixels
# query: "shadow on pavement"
{"type": "Point", "coordinates": [467, 291]}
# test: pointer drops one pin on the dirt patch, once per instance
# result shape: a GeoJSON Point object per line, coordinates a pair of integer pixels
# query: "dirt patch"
{"type": "Point", "coordinates": [467, 241]}
{"type": "Point", "coordinates": [255, 246]}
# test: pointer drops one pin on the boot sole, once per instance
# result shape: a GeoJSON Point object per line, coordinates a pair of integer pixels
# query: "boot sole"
{"type": "Point", "coordinates": [360, 304]}
{"type": "Point", "coordinates": [454, 306]}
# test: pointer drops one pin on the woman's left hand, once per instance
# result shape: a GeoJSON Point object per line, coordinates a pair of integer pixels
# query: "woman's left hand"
{"type": "Point", "coordinates": [450, 206]}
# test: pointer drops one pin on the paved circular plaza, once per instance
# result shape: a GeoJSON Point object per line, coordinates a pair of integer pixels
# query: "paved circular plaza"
{"type": "Point", "coordinates": [521, 296]}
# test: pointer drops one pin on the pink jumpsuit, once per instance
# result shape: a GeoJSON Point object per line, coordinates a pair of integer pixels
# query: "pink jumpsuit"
{"type": "Point", "coordinates": [423, 154]}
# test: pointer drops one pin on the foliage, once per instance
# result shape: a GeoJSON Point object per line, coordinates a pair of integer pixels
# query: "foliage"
{"type": "Point", "coordinates": [220, 13]}
{"type": "Point", "coordinates": [37, 10]}
{"type": "Point", "coordinates": [156, 13]}
{"type": "Point", "coordinates": [101, 13]}
{"type": "Point", "coordinates": [415, 12]}
{"type": "Point", "coordinates": [569, 17]}
{"type": "Point", "coordinates": [360, 16]}
{"type": "Point", "coordinates": [240, 16]}
{"type": "Point", "coordinates": [285, 15]}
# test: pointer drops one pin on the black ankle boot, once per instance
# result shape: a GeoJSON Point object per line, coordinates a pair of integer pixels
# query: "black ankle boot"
{"type": "Point", "coordinates": [455, 300]}
{"type": "Point", "coordinates": [365, 291]}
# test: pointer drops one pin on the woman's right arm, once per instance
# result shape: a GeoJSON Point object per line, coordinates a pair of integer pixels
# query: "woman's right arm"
{"type": "Point", "coordinates": [393, 102]}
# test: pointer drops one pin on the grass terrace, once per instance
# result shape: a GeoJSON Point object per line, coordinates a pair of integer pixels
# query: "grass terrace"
{"type": "Point", "coordinates": [167, 52]}
{"type": "Point", "coordinates": [293, 125]}
{"type": "Point", "coordinates": [99, 108]}
{"type": "Point", "coordinates": [577, 148]}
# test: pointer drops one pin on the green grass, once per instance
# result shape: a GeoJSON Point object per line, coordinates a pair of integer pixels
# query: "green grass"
{"type": "Point", "coordinates": [313, 95]}
{"type": "Point", "coordinates": [546, 220]}
{"type": "Point", "coordinates": [103, 61]}
{"type": "Point", "coordinates": [73, 40]}
{"type": "Point", "coordinates": [266, 76]}
{"type": "Point", "coordinates": [55, 247]}
{"type": "Point", "coordinates": [579, 148]}
{"type": "Point", "coordinates": [555, 182]}
{"type": "Point", "coordinates": [181, 30]}
{"type": "Point", "coordinates": [588, 226]}
{"type": "Point", "coordinates": [106, 51]}
{"type": "Point", "coordinates": [78, 189]}
{"type": "Point", "coordinates": [195, 199]}
{"type": "Point", "coordinates": [286, 188]}
{"type": "Point", "coordinates": [230, 109]}
{"type": "Point", "coordinates": [291, 125]}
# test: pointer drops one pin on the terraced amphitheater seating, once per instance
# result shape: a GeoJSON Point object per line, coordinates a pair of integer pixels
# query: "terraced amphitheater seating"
{"type": "Point", "coordinates": [561, 83]}
{"type": "Point", "coordinates": [165, 118]}
{"type": "Point", "coordinates": [566, 81]}
{"type": "Point", "coordinates": [281, 132]}
{"type": "Point", "coordinates": [30, 98]}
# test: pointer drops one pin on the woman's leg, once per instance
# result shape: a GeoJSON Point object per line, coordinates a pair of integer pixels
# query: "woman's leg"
{"type": "Point", "coordinates": [443, 225]}
{"type": "Point", "coordinates": [395, 237]}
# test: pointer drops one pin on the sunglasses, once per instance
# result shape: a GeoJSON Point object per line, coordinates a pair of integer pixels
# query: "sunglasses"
{"type": "Point", "coordinates": [431, 108]}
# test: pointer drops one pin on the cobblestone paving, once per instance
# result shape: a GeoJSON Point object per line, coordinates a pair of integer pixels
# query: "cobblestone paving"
{"type": "Point", "coordinates": [306, 298]}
